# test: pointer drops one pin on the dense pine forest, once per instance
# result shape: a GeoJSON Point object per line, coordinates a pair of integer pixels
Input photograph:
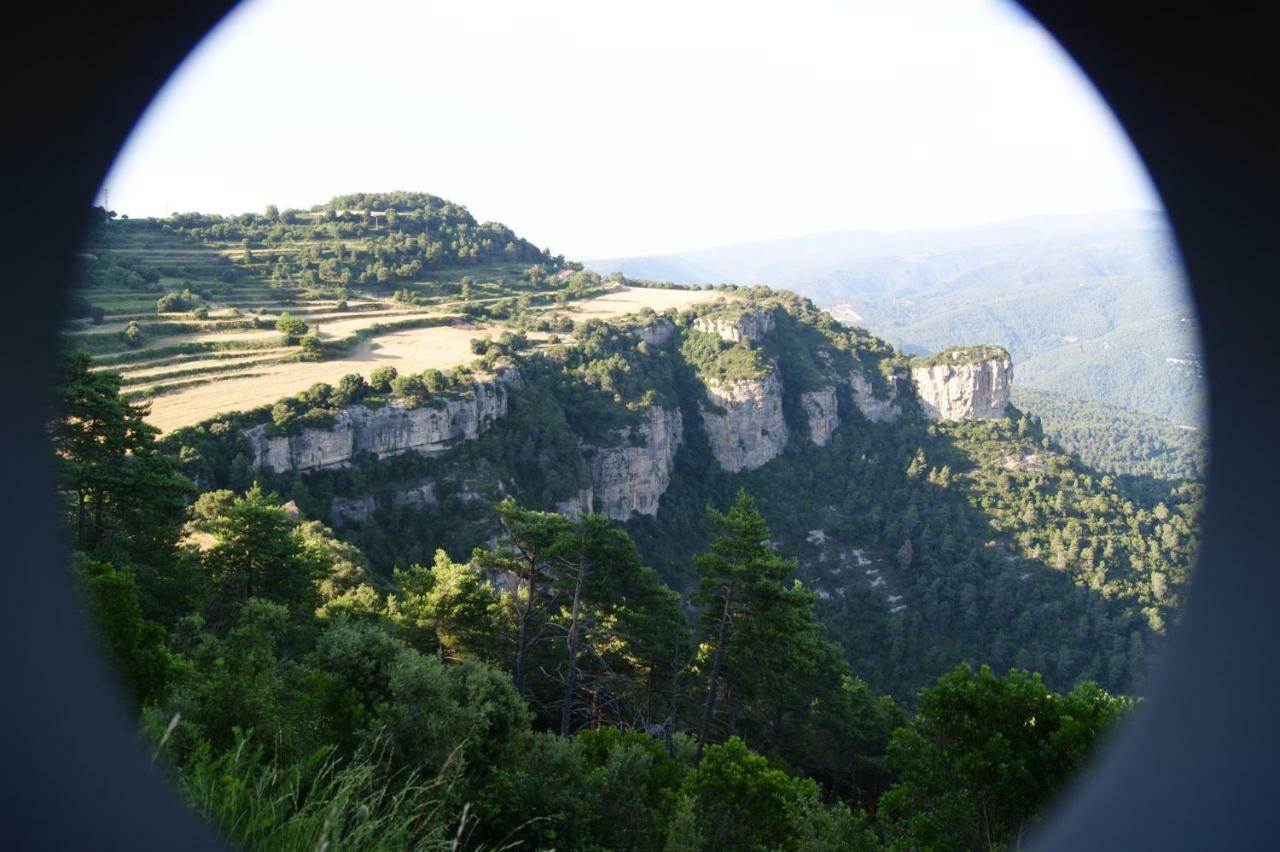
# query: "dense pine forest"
{"type": "Point", "coordinates": [704, 577]}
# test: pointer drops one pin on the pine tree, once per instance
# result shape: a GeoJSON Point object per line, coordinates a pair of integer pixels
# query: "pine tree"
{"type": "Point", "coordinates": [739, 580]}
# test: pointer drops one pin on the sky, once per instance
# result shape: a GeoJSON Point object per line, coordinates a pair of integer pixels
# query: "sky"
{"type": "Point", "coordinates": [604, 129]}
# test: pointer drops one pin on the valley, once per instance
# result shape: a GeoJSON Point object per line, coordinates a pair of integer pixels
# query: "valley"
{"type": "Point", "coordinates": [378, 476]}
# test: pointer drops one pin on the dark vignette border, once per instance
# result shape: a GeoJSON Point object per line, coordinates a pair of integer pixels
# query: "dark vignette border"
{"type": "Point", "coordinates": [1190, 83]}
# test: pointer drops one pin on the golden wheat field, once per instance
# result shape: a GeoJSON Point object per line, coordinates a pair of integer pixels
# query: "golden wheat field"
{"type": "Point", "coordinates": [257, 377]}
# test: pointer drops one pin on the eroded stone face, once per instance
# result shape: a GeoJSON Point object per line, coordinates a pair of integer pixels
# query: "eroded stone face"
{"type": "Point", "coordinates": [631, 478]}
{"type": "Point", "coordinates": [656, 333]}
{"type": "Point", "coordinates": [874, 408]}
{"type": "Point", "coordinates": [420, 497]}
{"type": "Point", "coordinates": [962, 391]}
{"type": "Point", "coordinates": [821, 408]}
{"type": "Point", "coordinates": [385, 431]}
{"type": "Point", "coordinates": [751, 431]}
{"type": "Point", "coordinates": [752, 325]}
{"type": "Point", "coordinates": [582, 503]}
{"type": "Point", "coordinates": [351, 510]}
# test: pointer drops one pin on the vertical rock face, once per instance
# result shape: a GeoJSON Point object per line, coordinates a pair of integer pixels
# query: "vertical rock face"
{"type": "Point", "coordinates": [962, 384]}
{"type": "Point", "coordinates": [344, 511]}
{"type": "Point", "coordinates": [385, 431]}
{"type": "Point", "coordinates": [874, 408]}
{"type": "Point", "coordinates": [421, 497]}
{"type": "Point", "coordinates": [631, 479]}
{"type": "Point", "coordinates": [657, 332]}
{"type": "Point", "coordinates": [310, 449]}
{"type": "Point", "coordinates": [351, 510]}
{"type": "Point", "coordinates": [822, 411]}
{"type": "Point", "coordinates": [751, 430]}
{"type": "Point", "coordinates": [751, 325]}
{"type": "Point", "coordinates": [582, 503]}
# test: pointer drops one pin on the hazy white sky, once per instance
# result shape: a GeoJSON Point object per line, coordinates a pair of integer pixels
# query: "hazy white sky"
{"type": "Point", "coordinates": [604, 129]}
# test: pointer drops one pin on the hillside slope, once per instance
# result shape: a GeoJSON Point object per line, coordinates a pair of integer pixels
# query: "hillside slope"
{"type": "Point", "coordinates": [190, 309]}
{"type": "Point", "coordinates": [927, 542]}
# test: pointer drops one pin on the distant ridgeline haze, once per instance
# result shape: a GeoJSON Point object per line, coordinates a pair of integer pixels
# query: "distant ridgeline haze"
{"type": "Point", "coordinates": [407, 498]}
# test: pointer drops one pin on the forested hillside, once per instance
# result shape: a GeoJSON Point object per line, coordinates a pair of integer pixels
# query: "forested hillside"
{"type": "Point", "coordinates": [550, 692]}
{"type": "Point", "coordinates": [1015, 554]}
{"type": "Point", "coordinates": [523, 597]}
{"type": "Point", "coordinates": [1117, 441]}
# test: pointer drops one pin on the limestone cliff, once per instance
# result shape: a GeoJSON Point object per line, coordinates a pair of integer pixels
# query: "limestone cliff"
{"type": "Point", "coordinates": [386, 431]}
{"type": "Point", "coordinates": [822, 411]}
{"type": "Point", "coordinates": [964, 383]}
{"type": "Point", "coordinates": [626, 479]}
{"type": "Point", "coordinates": [748, 429]}
{"type": "Point", "coordinates": [750, 325]}
{"type": "Point", "coordinates": [877, 409]}
{"type": "Point", "coordinates": [655, 333]}
{"type": "Point", "coordinates": [581, 503]}
{"type": "Point", "coordinates": [632, 477]}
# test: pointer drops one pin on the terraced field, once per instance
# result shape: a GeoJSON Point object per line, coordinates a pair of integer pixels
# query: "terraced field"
{"type": "Point", "coordinates": [229, 356]}
{"type": "Point", "coordinates": [256, 381]}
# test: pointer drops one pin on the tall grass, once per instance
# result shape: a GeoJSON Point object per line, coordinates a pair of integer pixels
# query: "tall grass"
{"type": "Point", "coordinates": [322, 803]}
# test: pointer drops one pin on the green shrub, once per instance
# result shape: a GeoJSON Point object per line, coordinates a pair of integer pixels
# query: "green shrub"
{"type": "Point", "coordinates": [292, 328]}
{"type": "Point", "coordinates": [132, 334]}
{"type": "Point", "coordinates": [411, 388]}
{"type": "Point", "coordinates": [312, 349]}
{"type": "Point", "coordinates": [351, 388]}
{"type": "Point", "coordinates": [382, 377]}
{"type": "Point", "coordinates": [175, 302]}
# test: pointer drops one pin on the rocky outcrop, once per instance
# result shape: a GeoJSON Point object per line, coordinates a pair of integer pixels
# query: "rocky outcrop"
{"type": "Point", "coordinates": [351, 510]}
{"type": "Point", "coordinates": [421, 497]}
{"type": "Point", "coordinates": [751, 325]}
{"type": "Point", "coordinates": [748, 430]}
{"type": "Point", "coordinates": [822, 411]}
{"type": "Point", "coordinates": [386, 431]}
{"type": "Point", "coordinates": [656, 333]}
{"type": "Point", "coordinates": [965, 383]}
{"type": "Point", "coordinates": [877, 409]}
{"type": "Point", "coordinates": [582, 503]}
{"type": "Point", "coordinates": [632, 477]}
{"type": "Point", "coordinates": [345, 511]}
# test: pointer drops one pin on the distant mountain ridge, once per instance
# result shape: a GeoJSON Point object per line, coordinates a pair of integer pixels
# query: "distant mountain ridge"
{"type": "Point", "coordinates": [775, 262]}
{"type": "Point", "coordinates": [1091, 306]}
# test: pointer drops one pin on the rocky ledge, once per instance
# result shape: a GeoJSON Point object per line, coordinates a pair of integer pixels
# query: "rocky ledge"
{"type": "Point", "coordinates": [632, 477]}
{"type": "Point", "coordinates": [750, 325]}
{"type": "Point", "coordinates": [822, 410]}
{"type": "Point", "coordinates": [748, 428]}
{"type": "Point", "coordinates": [964, 383]}
{"type": "Point", "coordinates": [394, 428]}
{"type": "Point", "coordinates": [877, 409]}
